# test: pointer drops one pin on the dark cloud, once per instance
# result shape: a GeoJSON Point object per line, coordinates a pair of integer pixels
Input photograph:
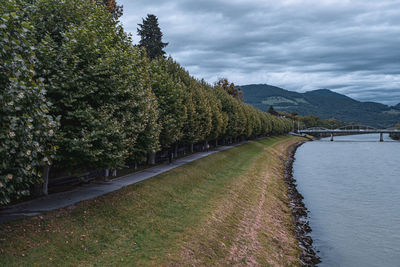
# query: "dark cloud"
{"type": "Point", "coordinates": [349, 46]}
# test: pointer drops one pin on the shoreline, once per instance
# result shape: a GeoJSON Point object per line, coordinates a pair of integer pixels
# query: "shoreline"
{"type": "Point", "coordinates": [308, 255]}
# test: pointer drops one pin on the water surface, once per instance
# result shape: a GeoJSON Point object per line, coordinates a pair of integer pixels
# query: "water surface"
{"type": "Point", "coordinates": [352, 189]}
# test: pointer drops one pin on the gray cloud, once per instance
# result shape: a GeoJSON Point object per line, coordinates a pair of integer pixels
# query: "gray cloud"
{"type": "Point", "coordinates": [351, 47]}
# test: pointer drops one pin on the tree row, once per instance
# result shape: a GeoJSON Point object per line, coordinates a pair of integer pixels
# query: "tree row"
{"type": "Point", "coordinates": [77, 94]}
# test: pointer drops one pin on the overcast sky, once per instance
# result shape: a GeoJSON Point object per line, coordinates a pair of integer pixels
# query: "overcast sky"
{"type": "Point", "coordinates": [351, 47]}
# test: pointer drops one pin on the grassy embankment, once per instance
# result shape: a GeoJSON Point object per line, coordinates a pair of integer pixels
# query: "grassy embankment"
{"type": "Point", "coordinates": [228, 208]}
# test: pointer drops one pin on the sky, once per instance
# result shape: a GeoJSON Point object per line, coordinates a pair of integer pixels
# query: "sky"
{"type": "Point", "coordinates": [348, 46]}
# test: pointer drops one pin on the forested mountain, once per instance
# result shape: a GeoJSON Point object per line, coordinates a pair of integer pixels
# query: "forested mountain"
{"type": "Point", "coordinates": [322, 103]}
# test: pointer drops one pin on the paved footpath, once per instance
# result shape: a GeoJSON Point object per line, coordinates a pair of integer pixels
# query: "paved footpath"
{"type": "Point", "coordinates": [93, 190]}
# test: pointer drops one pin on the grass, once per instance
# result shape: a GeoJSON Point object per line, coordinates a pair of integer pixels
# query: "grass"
{"type": "Point", "coordinates": [228, 208]}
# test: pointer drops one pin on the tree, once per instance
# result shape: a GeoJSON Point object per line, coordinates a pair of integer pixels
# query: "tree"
{"type": "Point", "coordinates": [311, 121]}
{"type": "Point", "coordinates": [230, 107]}
{"type": "Point", "coordinates": [219, 118]}
{"type": "Point", "coordinates": [71, 79]}
{"type": "Point", "coordinates": [198, 124]}
{"type": "Point", "coordinates": [170, 97]}
{"type": "Point", "coordinates": [112, 7]}
{"type": "Point", "coordinates": [151, 37]}
{"type": "Point", "coordinates": [230, 88]}
{"type": "Point", "coordinates": [272, 111]}
{"type": "Point", "coordinates": [99, 85]}
{"type": "Point", "coordinates": [26, 128]}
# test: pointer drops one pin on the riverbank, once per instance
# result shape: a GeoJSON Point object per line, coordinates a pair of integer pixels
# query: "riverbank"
{"type": "Point", "coordinates": [228, 208]}
{"type": "Point", "coordinates": [308, 256]}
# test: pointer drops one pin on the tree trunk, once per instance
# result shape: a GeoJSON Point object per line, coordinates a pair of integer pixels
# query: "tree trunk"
{"type": "Point", "coordinates": [43, 188]}
{"type": "Point", "coordinates": [152, 158]}
{"type": "Point", "coordinates": [106, 174]}
{"type": "Point", "coordinates": [191, 148]}
{"type": "Point", "coordinates": [176, 147]}
{"type": "Point", "coordinates": [206, 145]}
{"type": "Point", "coordinates": [46, 171]}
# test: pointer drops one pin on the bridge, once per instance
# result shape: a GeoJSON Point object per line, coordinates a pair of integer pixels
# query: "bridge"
{"type": "Point", "coordinates": [351, 129]}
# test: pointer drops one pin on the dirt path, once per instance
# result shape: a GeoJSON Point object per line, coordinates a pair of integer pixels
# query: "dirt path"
{"type": "Point", "coordinates": [252, 223]}
{"type": "Point", "coordinates": [248, 231]}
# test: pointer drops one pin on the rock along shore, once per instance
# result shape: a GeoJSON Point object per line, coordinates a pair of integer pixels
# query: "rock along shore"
{"type": "Point", "coordinates": [308, 256]}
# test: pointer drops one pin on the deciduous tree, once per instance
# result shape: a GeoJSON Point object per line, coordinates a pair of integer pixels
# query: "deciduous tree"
{"type": "Point", "coordinates": [171, 101]}
{"type": "Point", "coordinates": [26, 128]}
{"type": "Point", "coordinates": [230, 88]}
{"type": "Point", "coordinates": [112, 7]}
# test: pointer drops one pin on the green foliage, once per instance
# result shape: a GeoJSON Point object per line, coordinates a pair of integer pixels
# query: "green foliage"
{"type": "Point", "coordinates": [203, 111]}
{"type": "Point", "coordinates": [140, 115]}
{"type": "Point", "coordinates": [151, 37]}
{"type": "Point", "coordinates": [198, 123]}
{"type": "Point", "coordinates": [219, 119]}
{"type": "Point", "coordinates": [171, 101]}
{"type": "Point", "coordinates": [26, 129]}
{"type": "Point", "coordinates": [230, 88]}
{"type": "Point", "coordinates": [228, 108]}
{"type": "Point", "coordinates": [112, 7]}
{"type": "Point", "coordinates": [53, 18]}
{"type": "Point", "coordinates": [113, 105]}
{"type": "Point", "coordinates": [100, 87]}
{"type": "Point", "coordinates": [310, 121]}
{"type": "Point", "coordinates": [79, 82]}
{"type": "Point", "coordinates": [313, 121]}
{"type": "Point", "coordinates": [245, 121]}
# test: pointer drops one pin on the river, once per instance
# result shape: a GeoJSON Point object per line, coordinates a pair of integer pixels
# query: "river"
{"type": "Point", "coordinates": [351, 188]}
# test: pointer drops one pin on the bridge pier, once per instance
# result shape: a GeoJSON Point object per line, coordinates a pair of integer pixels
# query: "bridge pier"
{"type": "Point", "coordinates": [381, 137]}
{"type": "Point", "coordinates": [331, 137]}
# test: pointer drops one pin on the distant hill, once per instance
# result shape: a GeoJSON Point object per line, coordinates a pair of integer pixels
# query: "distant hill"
{"type": "Point", "coordinates": [322, 103]}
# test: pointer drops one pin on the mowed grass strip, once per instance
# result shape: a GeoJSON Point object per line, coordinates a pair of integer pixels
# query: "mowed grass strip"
{"type": "Point", "coordinates": [253, 225]}
{"type": "Point", "coordinates": [161, 221]}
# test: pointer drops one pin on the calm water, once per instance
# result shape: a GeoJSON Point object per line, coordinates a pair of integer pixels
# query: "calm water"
{"type": "Point", "coordinates": [352, 190]}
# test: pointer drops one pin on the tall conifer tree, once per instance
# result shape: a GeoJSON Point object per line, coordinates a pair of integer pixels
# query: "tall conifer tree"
{"type": "Point", "coordinates": [151, 37]}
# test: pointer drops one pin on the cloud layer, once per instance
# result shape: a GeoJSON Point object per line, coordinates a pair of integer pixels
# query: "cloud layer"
{"type": "Point", "coordinates": [351, 47]}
